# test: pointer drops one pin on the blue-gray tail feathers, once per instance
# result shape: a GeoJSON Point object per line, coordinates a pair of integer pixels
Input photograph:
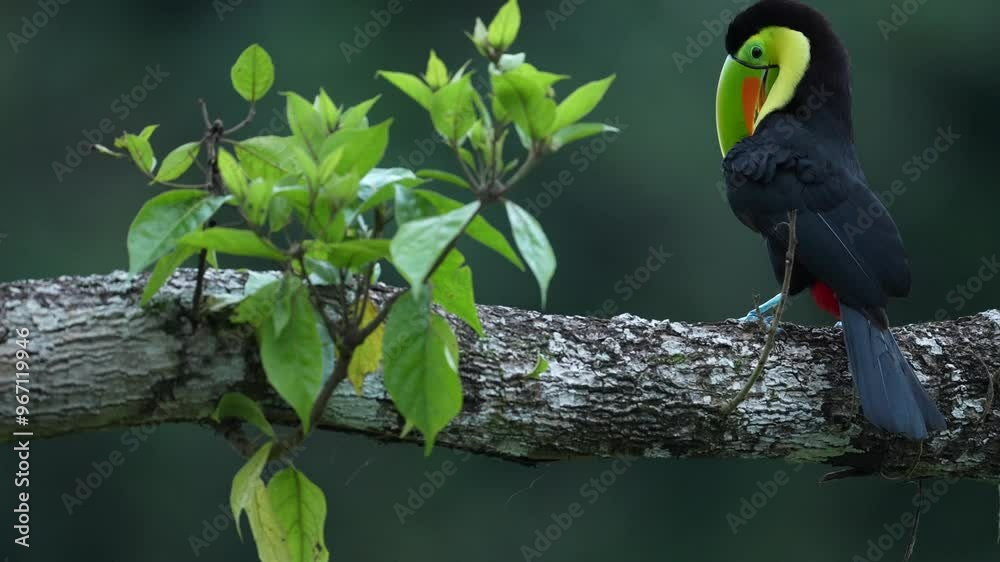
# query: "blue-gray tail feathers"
{"type": "Point", "coordinates": [891, 395]}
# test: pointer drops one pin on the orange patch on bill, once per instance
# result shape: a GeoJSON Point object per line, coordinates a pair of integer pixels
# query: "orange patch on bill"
{"type": "Point", "coordinates": [752, 101]}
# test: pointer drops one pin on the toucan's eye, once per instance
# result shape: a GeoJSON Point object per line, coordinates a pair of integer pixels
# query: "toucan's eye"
{"type": "Point", "coordinates": [756, 52]}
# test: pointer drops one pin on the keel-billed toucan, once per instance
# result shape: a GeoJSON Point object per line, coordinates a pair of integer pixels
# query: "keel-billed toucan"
{"type": "Point", "coordinates": [784, 123]}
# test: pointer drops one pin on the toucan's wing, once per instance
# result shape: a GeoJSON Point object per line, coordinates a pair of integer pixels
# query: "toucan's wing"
{"type": "Point", "coordinates": [845, 236]}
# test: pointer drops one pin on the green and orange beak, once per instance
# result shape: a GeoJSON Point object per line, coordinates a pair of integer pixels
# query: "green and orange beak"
{"type": "Point", "coordinates": [743, 88]}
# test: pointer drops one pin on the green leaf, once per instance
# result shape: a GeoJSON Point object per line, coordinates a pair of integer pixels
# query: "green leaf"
{"type": "Point", "coordinates": [267, 157]}
{"type": "Point", "coordinates": [452, 289]}
{"type": "Point", "coordinates": [165, 267]}
{"type": "Point", "coordinates": [357, 116]}
{"type": "Point", "coordinates": [503, 29]}
{"type": "Point", "coordinates": [241, 493]}
{"type": "Point", "coordinates": [525, 101]}
{"type": "Point", "coordinates": [139, 149]}
{"type": "Point", "coordinates": [258, 304]}
{"type": "Point", "coordinates": [408, 207]}
{"type": "Point", "coordinates": [327, 109]}
{"type": "Point", "coordinates": [258, 201]}
{"type": "Point", "coordinates": [452, 110]}
{"type": "Point", "coordinates": [164, 220]}
{"type": "Point", "coordinates": [541, 365]}
{"type": "Point", "coordinates": [363, 148]}
{"type": "Point", "coordinates": [352, 254]}
{"type": "Point", "coordinates": [232, 174]}
{"type": "Point", "coordinates": [148, 131]}
{"type": "Point", "coordinates": [288, 287]}
{"type": "Point", "coordinates": [178, 161]}
{"type": "Point", "coordinates": [577, 105]}
{"type": "Point", "coordinates": [421, 365]}
{"type": "Point", "coordinates": [293, 360]}
{"type": "Point", "coordinates": [253, 73]}
{"type": "Point", "coordinates": [306, 123]}
{"type": "Point", "coordinates": [367, 356]}
{"type": "Point", "coordinates": [329, 165]}
{"type": "Point", "coordinates": [238, 405]}
{"type": "Point", "coordinates": [268, 532]}
{"type": "Point", "coordinates": [578, 131]}
{"type": "Point", "coordinates": [233, 241]}
{"type": "Point", "coordinates": [418, 244]}
{"type": "Point", "coordinates": [341, 190]}
{"type": "Point", "coordinates": [436, 75]}
{"type": "Point", "coordinates": [279, 214]}
{"type": "Point", "coordinates": [534, 246]}
{"type": "Point", "coordinates": [446, 177]}
{"type": "Point", "coordinates": [409, 85]}
{"type": "Point", "coordinates": [300, 507]}
{"type": "Point", "coordinates": [479, 229]}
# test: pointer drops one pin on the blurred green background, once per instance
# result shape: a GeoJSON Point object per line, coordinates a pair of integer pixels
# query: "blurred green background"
{"type": "Point", "coordinates": [653, 186]}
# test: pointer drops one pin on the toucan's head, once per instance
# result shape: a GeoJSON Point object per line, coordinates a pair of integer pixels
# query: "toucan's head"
{"type": "Point", "coordinates": [781, 52]}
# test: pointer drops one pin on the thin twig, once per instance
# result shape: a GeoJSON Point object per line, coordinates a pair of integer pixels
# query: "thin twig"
{"type": "Point", "coordinates": [912, 543]}
{"type": "Point", "coordinates": [766, 351]}
{"type": "Point", "coordinates": [246, 121]}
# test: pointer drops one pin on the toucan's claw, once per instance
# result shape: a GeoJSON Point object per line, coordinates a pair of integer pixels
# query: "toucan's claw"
{"type": "Point", "coordinates": [760, 315]}
{"type": "Point", "coordinates": [763, 322]}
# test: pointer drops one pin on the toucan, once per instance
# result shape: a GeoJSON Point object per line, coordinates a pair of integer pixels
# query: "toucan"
{"type": "Point", "coordinates": [783, 116]}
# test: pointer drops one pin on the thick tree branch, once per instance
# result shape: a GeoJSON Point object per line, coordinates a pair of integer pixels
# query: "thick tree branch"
{"type": "Point", "coordinates": [621, 385]}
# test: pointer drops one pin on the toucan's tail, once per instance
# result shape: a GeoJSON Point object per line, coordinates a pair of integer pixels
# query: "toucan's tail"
{"type": "Point", "coordinates": [891, 395]}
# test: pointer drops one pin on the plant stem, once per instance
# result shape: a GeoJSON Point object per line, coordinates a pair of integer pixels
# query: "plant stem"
{"type": "Point", "coordinates": [766, 351]}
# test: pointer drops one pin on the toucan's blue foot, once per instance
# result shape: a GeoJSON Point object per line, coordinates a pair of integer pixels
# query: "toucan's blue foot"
{"type": "Point", "coordinates": [761, 315]}
{"type": "Point", "coordinates": [839, 325]}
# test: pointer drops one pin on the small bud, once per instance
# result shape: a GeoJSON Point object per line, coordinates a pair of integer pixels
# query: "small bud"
{"type": "Point", "coordinates": [510, 62]}
{"type": "Point", "coordinates": [480, 35]}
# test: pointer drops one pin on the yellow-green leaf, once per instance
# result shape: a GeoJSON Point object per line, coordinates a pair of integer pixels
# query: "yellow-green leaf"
{"type": "Point", "coordinates": [300, 508]}
{"type": "Point", "coordinates": [503, 29]}
{"type": "Point", "coordinates": [436, 75]}
{"type": "Point", "coordinates": [268, 532]}
{"type": "Point", "coordinates": [409, 85]}
{"type": "Point", "coordinates": [368, 355]}
{"type": "Point", "coordinates": [233, 241]}
{"type": "Point", "coordinates": [242, 492]}
{"type": "Point", "coordinates": [165, 267]}
{"type": "Point", "coordinates": [232, 174]}
{"type": "Point", "coordinates": [238, 405]}
{"type": "Point", "coordinates": [253, 73]}
{"type": "Point", "coordinates": [178, 161]}
{"type": "Point", "coordinates": [577, 105]}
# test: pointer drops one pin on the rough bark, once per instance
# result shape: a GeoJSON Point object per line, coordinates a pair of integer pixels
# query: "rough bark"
{"type": "Point", "coordinates": [615, 386]}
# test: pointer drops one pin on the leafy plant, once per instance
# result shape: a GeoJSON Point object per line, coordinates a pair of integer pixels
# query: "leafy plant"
{"type": "Point", "coordinates": [320, 193]}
